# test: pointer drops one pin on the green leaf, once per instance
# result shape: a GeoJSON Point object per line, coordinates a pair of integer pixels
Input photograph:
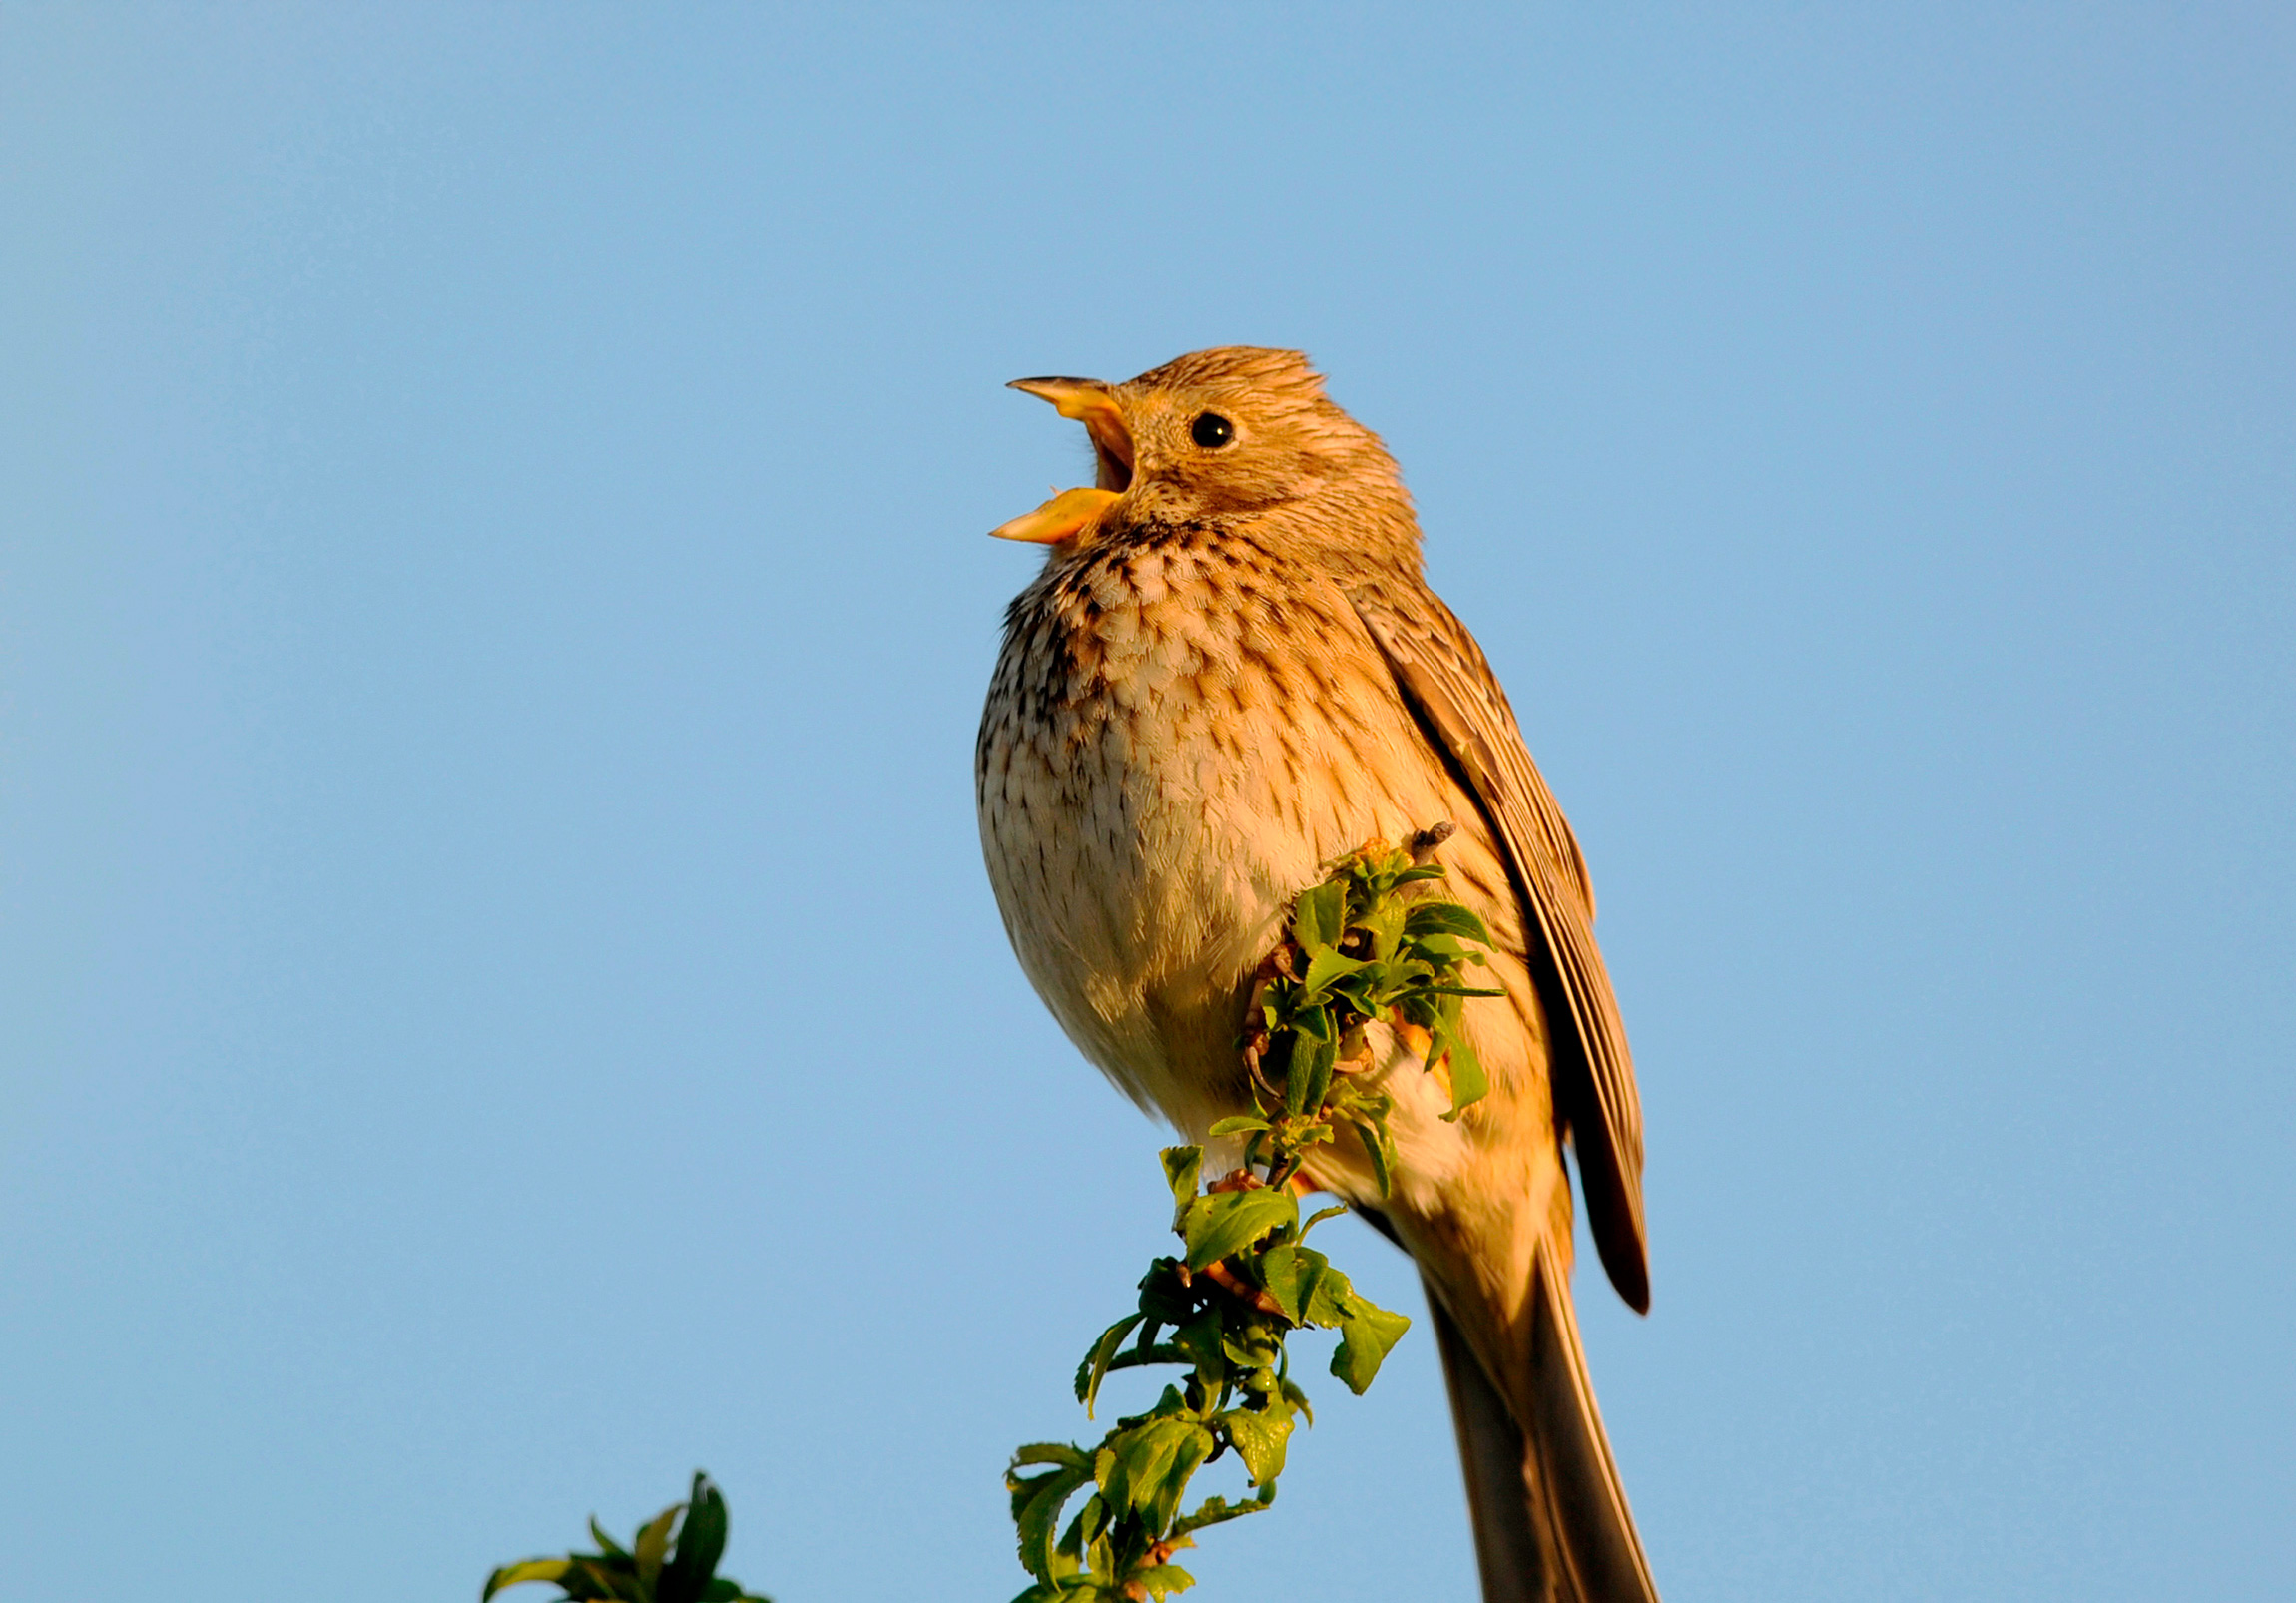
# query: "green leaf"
{"type": "Point", "coordinates": [1386, 927]}
{"type": "Point", "coordinates": [533, 1569]}
{"type": "Point", "coordinates": [700, 1543]}
{"type": "Point", "coordinates": [1319, 1215]}
{"type": "Point", "coordinates": [1446, 919]}
{"type": "Point", "coordinates": [1319, 1064]}
{"type": "Point", "coordinates": [1138, 1357]}
{"type": "Point", "coordinates": [1308, 1074]}
{"type": "Point", "coordinates": [1258, 1440]}
{"type": "Point", "coordinates": [1142, 1461]}
{"type": "Point", "coordinates": [1291, 1393]}
{"type": "Point", "coordinates": [1314, 1272]}
{"type": "Point", "coordinates": [1238, 1125]}
{"type": "Point", "coordinates": [1368, 1333]}
{"type": "Point", "coordinates": [1086, 1529]}
{"type": "Point", "coordinates": [1163, 1580]}
{"type": "Point", "coordinates": [1319, 918]}
{"type": "Point", "coordinates": [1198, 1338]}
{"type": "Point", "coordinates": [1324, 1301]}
{"type": "Point", "coordinates": [1129, 1456]}
{"type": "Point", "coordinates": [1361, 991]}
{"type": "Point", "coordinates": [1279, 1275]}
{"type": "Point", "coordinates": [1182, 1167]}
{"type": "Point", "coordinates": [1325, 967]}
{"type": "Point", "coordinates": [1233, 1219]}
{"type": "Point", "coordinates": [1094, 1368]}
{"type": "Point", "coordinates": [1379, 1146]}
{"type": "Point", "coordinates": [1036, 1504]}
{"type": "Point", "coordinates": [1469, 1084]}
{"type": "Point", "coordinates": [597, 1578]}
{"type": "Point", "coordinates": [653, 1543]}
{"type": "Point", "coordinates": [1218, 1511]}
{"type": "Point", "coordinates": [1251, 1346]}
{"type": "Point", "coordinates": [1196, 1446]}
{"type": "Point", "coordinates": [1050, 1453]}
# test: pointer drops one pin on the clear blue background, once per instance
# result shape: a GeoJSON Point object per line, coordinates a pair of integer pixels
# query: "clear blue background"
{"type": "Point", "coordinates": [499, 1004]}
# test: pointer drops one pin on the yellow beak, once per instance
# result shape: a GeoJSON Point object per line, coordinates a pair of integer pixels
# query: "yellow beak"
{"type": "Point", "coordinates": [1059, 518]}
{"type": "Point", "coordinates": [1088, 401]}
{"type": "Point", "coordinates": [1091, 404]}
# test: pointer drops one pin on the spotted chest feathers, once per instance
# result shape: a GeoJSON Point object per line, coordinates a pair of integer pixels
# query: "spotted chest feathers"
{"type": "Point", "coordinates": [1183, 729]}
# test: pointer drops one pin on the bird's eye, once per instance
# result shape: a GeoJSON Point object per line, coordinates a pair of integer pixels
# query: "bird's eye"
{"type": "Point", "coordinates": [1211, 430]}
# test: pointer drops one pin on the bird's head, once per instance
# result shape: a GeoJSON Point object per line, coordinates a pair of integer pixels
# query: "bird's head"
{"type": "Point", "coordinates": [1213, 437]}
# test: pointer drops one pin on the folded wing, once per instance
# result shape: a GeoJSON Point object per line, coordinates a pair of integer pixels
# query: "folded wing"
{"type": "Point", "coordinates": [1449, 684]}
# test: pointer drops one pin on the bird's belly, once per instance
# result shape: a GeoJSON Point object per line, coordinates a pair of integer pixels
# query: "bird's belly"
{"type": "Point", "coordinates": [1146, 872]}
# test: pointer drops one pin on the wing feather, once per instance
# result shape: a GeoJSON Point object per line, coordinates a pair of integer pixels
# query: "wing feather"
{"type": "Point", "coordinates": [1445, 679]}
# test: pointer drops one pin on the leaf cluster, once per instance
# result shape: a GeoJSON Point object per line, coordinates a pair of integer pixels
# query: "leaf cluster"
{"type": "Point", "coordinates": [669, 1561]}
{"type": "Point", "coordinates": [1359, 947]}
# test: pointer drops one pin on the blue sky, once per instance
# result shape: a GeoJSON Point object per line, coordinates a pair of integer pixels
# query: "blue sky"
{"type": "Point", "coordinates": [499, 1003]}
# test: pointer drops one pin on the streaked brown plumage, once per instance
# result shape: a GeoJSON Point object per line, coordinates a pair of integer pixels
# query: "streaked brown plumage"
{"type": "Point", "coordinates": [1231, 671]}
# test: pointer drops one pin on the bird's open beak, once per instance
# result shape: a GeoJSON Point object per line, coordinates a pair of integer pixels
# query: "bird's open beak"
{"type": "Point", "coordinates": [1091, 404]}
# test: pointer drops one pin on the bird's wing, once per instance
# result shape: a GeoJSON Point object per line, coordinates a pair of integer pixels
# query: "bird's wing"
{"type": "Point", "coordinates": [1447, 681]}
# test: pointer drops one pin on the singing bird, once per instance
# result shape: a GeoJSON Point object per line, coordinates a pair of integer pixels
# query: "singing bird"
{"type": "Point", "coordinates": [1231, 671]}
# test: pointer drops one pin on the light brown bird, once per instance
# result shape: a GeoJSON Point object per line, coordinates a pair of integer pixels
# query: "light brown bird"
{"type": "Point", "coordinates": [1230, 673]}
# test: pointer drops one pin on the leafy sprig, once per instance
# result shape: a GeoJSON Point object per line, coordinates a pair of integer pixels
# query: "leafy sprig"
{"type": "Point", "coordinates": [1361, 947]}
{"type": "Point", "coordinates": [669, 1561]}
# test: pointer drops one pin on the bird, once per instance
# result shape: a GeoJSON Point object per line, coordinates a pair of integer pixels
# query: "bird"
{"type": "Point", "coordinates": [1230, 673]}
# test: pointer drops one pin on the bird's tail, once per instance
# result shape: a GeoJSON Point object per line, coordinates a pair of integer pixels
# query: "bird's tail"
{"type": "Point", "coordinates": [1550, 1519]}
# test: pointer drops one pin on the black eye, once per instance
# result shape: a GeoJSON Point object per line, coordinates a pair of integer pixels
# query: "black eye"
{"type": "Point", "coordinates": [1211, 430]}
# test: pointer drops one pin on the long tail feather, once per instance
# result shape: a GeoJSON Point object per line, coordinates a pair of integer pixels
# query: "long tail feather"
{"type": "Point", "coordinates": [1550, 1519]}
